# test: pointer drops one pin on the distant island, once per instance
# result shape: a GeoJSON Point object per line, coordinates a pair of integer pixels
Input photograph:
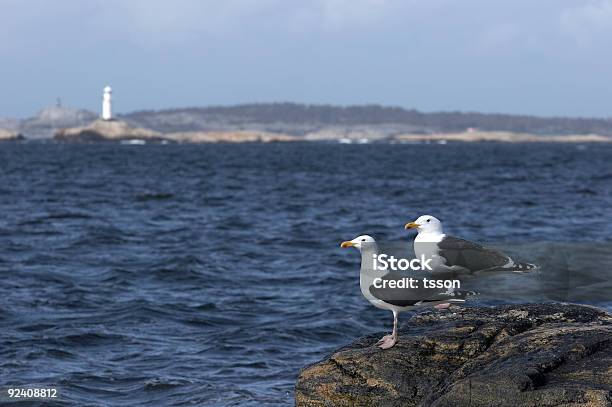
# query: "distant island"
{"type": "Point", "coordinates": [289, 122]}
{"type": "Point", "coordinates": [7, 135]}
{"type": "Point", "coordinates": [120, 131]}
{"type": "Point", "coordinates": [300, 119]}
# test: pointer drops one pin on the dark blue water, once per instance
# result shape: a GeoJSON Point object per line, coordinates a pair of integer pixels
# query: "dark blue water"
{"type": "Point", "coordinates": [209, 275]}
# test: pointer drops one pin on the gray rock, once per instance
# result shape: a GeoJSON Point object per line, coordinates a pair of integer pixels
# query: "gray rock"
{"type": "Point", "coordinates": [515, 355]}
{"type": "Point", "coordinates": [50, 119]}
{"type": "Point", "coordinates": [106, 130]}
{"type": "Point", "coordinates": [8, 135]}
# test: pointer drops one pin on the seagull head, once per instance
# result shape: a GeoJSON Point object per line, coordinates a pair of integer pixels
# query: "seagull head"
{"type": "Point", "coordinates": [425, 224]}
{"type": "Point", "coordinates": [358, 242]}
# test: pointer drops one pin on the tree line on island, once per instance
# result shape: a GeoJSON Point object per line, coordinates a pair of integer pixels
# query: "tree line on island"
{"type": "Point", "coordinates": [367, 115]}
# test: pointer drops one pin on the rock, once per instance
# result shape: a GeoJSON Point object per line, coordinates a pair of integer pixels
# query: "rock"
{"type": "Point", "coordinates": [229, 137]}
{"type": "Point", "coordinates": [504, 137]}
{"type": "Point", "coordinates": [515, 355]}
{"type": "Point", "coordinates": [106, 130]}
{"type": "Point", "coordinates": [117, 130]}
{"type": "Point", "coordinates": [50, 119]}
{"type": "Point", "coordinates": [9, 135]}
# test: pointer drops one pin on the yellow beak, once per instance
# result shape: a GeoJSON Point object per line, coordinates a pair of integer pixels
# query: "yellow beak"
{"type": "Point", "coordinates": [411, 225]}
{"type": "Point", "coordinates": [346, 244]}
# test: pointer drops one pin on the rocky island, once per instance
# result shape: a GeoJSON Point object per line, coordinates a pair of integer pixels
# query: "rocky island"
{"type": "Point", "coordinates": [229, 137]}
{"type": "Point", "coordinates": [282, 122]}
{"type": "Point", "coordinates": [121, 131]}
{"type": "Point", "coordinates": [503, 137]}
{"type": "Point", "coordinates": [9, 135]}
{"type": "Point", "coordinates": [106, 130]}
{"type": "Point", "coordinates": [514, 355]}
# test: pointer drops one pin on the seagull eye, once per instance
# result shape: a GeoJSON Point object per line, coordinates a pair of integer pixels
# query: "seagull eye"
{"type": "Point", "coordinates": [428, 220]}
{"type": "Point", "coordinates": [363, 240]}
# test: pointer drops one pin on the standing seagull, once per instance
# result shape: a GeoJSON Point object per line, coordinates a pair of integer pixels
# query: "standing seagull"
{"type": "Point", "coordinates": [394, 299]}
{"type": "Point", "coordinates": [457, 255]}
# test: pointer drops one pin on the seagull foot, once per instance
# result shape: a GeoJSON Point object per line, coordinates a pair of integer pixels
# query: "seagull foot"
{"type": "Point", "coordinates": [442, 307]}
{"type": "Point", "coordinates": [387, 342]}
{"type": "Point", "coordinates": [384, 339]}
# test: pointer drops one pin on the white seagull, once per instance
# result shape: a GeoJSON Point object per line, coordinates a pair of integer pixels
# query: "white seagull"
{"type": "Point", "coordinates": [453, 254]}
{"type": "Point", "coordinates": [395, 299]}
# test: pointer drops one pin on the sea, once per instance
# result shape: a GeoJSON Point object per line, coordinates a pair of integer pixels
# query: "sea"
{"type": "Point", "coordinates": [209, 275]}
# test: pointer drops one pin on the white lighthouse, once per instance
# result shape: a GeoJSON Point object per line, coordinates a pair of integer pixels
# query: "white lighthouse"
{"type": "Point", "coordinates": [107, 109]}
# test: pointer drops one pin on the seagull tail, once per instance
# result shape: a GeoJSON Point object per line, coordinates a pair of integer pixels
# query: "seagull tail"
{"type": "Point", "coordinates": [525, 268]}
{"type": "Point", "coordinates": [467, 293]}
{"type": "Point", "coordinates": [461, 295]}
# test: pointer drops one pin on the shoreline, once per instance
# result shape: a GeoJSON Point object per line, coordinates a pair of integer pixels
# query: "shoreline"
{"type": "Point", "coordinates": [505, 137]}
{"type": "Point", "coordinates": [423, 141]}
{"type": "Point", "coordinates": [121, 132]}
{"type": "Point", "coordinates": [525, 354]}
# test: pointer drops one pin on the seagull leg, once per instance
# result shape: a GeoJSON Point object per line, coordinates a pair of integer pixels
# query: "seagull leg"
{"type": "Point", "coordinates": [442, 307]}
{"type": "Point", "coordinates": [384, 339]}
{"type": "Point", "coordinates": [389, 341]}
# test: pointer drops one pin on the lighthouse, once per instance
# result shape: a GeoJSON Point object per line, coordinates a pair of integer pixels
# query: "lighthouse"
{"type": "Point", "coordinates": [107, 110]}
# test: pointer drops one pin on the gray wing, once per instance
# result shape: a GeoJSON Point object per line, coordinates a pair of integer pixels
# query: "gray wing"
{"type": "Point", "coordinates": [402, 297]}
{"type": "Point", "coordinates": [470, 255]}
{"type": "Point", "coordinates": [398, 297]}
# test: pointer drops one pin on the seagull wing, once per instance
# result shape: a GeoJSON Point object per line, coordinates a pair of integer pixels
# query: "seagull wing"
{"type": "Point", "coordinates": [403, 297]}
{"type": "Point", "coordinates": [472, 256]}
{"type": "Point", "coordinates": [398, 296]}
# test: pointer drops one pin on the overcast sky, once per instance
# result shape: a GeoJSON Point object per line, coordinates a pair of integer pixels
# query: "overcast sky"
{"type": "Point", "coordinates": [544, 57]}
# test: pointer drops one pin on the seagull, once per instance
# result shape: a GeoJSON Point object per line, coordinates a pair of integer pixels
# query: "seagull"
{"type": "Point", "coordinates": [452, 254]}
{"type": "Point", "coordinates": [395, 300]}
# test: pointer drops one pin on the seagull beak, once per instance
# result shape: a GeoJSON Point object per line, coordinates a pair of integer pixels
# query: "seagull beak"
{"type": "Point", "coordinates": [346, 244]}
{"type": "Point", "coordinates": [411, 225]}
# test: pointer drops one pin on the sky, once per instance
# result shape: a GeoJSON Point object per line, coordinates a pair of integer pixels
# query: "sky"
{"type": "Point", "coordinates": [543, 57]}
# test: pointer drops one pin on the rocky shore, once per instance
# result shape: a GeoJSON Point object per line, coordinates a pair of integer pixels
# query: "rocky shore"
{"type": "Point", "coordinates": [515, 355]}
{"type": "Point", "coordinates": [281, 122]}
{"type": "Point", "coordinates": [503, 137]}
{"type": "Point", "coordinates": [117, 131]}
{"type": "Point", "coordinates": [9, 135]}
{"type": "Point", "coordinates": [229, 137]}
{"type": "Point", "coordinates": [102, 130]}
